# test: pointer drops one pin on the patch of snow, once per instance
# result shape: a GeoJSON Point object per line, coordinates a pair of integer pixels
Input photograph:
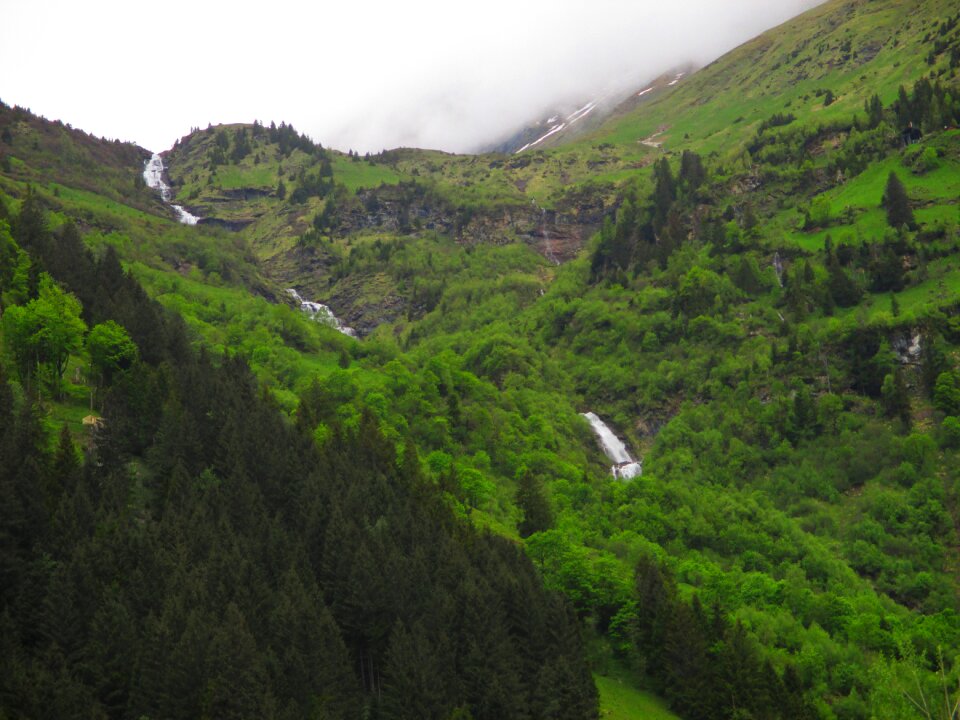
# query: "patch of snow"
{"type": "Point", "coordinates": [539, 140]}
{"type": "Point", "coordinates": [582, 112]}
{"type": "Point", "coordinates": [644, 92]}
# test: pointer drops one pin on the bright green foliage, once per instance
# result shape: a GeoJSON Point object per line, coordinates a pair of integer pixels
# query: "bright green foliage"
{"type": "Point", "coordinates": [621, 700]}
{"type": "Point", "coordinates": [821, 212]}
{"type": "Point", "coordinates": [896, 401]}
{"type": "Point", "coordinates": [950, 430]}
{"type": "Point", "coordinates": [946, 393]}
{"type": "Point", "coordinates": [532, 502]}
{"type": "Point", "coordinates": [45, 331]}
{"type": "Point", "coordinates": [14, 269]}
{"type": "Point", "coordinates": [111, 349]}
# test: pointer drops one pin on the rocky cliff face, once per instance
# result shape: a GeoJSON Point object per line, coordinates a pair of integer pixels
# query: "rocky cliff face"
{"type": "Point", "coordinates": [557, 234]}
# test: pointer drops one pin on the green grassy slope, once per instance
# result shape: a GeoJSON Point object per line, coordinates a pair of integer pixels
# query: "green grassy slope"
{"type": "Point", "coordinates": [33, 149]}
{"type": "Point", "coordinates": [853, 48]}
{"type": "Point", "coordinates": [620, 700]}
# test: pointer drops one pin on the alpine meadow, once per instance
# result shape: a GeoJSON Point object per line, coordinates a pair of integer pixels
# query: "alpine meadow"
{"type": "Point", "coordinates": [655, 419]}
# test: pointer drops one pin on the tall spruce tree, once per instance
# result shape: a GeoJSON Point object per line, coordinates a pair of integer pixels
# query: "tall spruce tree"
{"type": "Point", "coordinates": [897, 203]}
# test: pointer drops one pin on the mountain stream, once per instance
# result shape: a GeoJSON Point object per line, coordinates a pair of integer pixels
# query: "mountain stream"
{"type": "Point", "coordinates": [321, 313]}
{"type": "Point", "coordinates": [624, 466]}
{"type": "Point", "coordinates": [153, 176]}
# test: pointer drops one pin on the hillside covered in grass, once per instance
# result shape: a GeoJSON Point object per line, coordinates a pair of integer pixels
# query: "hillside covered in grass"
{"type": "Point", "coordinates": [752, 278]}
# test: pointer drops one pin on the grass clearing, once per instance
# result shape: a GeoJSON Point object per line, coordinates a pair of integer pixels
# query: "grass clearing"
{"type": "Point", "coordinates": [622, 700]}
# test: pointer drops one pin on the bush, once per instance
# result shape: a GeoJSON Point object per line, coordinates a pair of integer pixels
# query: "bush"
{"type": "Point", "coordinates": [946, 393]}
{"type": "Point", "coordinates": [950, 432]}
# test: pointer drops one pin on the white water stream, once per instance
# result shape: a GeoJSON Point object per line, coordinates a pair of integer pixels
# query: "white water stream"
{"type": "Point", "coordinates": [321, 313]}
{"type": "Point", "coordinates": [624, 466]}
{"type": "Point", "coordinates": [545, 234]}
{"type": "Point", "coordinates": [153, 176]}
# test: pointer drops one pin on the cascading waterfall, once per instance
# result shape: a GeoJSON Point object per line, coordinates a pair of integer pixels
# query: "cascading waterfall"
{"type": "Point", "coordinates": [547, 245]}
{"type": "Point", "coordinates": [321, 313]}
{"type": "Point", "coordinates": [624, 466]}
{"type": "Point", "coordinates": [545, 234]}
{"type": "Point", "coordinates": [153, 176]}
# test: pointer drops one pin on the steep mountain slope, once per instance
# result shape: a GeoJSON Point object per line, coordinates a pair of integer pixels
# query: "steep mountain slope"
{"type": "Point", "coordinates": [207, 558]}
{"type": "Point", "coordinates": [568, 122]}
{"type": "Point", "coordinates": [33, 149]}
{"type": "Point", "coordinates": [555, 201]}
{"type": "Point", "coordinates": [852, 48]}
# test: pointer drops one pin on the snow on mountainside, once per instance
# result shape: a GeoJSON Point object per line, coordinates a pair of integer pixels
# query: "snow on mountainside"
{"type": "Point", "coordinates": [564, 123]}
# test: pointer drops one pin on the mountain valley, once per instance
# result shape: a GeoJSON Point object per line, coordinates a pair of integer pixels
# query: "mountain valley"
{"type": "Point", "coordinates": [653, 418]}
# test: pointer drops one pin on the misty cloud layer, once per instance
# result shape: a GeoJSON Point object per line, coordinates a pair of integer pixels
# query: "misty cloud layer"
{"type": "Point", "coordinates": [365, 75]}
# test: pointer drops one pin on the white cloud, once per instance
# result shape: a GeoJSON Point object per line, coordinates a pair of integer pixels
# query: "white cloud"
{"type": "Point", "coordinates": [356, 74]}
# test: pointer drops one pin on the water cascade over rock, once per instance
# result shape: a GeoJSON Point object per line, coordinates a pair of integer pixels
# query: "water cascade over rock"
{"type": "Point", "coordinates": [624, 466]}
{"type": "Point", "coordinates": [321, 313]}
{"type": "Point", "coordinates": [153, 176]}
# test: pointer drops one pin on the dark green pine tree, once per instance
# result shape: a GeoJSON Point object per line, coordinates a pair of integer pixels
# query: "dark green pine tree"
{"type": "Point", "coordinates": [664, 192]}
{"type": "Point", "coordinates": [903, 108]}
{"type": "Point", "coordinates": [312, 664]}
{"type": "Point", "coordinates": [897, 203]}
{"type": "Point", "coordinates": [565, 689]}
{"type": "Point", "coordinates": [738, 672]}
{"type": "Point", "coordinates": [692, 172]}
{"type": "Point", "coordinates": [236, 677]}
{"type": "Point", "coordinates": [844, 291]}
{"type": "Point", "coordinates": [65, 472]}
{"type": "Point", "coordinates": [532, 501]}
{"type": "Point", "coordinates": [887, 269]}
{"type": "Point", "coordinates": [111, 652]}
{"type": "Point", "coordinates": [655, 601]}
{"type": "Point", "coordinates": [874, 110]}
{"type": "Point", "coordinates": [794, 704]}
{"type": "Point", "coordinates": [487, 664]}
{"type": "Point", "coordinates": [410, 687]}
{"type": "Point", "coordinates": [24, 515]}
{"type": "Point", "coordinates": [896, 399]}
{"type": "Point", "coordinates": [688, 668]}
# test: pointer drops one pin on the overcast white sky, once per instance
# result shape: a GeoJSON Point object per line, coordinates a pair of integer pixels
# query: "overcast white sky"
{"type": "Point", "coordinates": [361, 74]}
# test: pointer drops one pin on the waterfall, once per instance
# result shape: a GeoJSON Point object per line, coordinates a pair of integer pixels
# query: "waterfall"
{"type": "Point", "coordinates": [321, 313]}
{"type": "Point", "coordinates": [153, 176]}
{"type": "Point", "coordinates": [778, 267]}
{"type": "Point", "coordinates": [624, 466]}
{"type": "Point", "coordinates": [545, 232]}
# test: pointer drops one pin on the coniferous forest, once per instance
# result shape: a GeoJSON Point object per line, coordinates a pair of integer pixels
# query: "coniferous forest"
{"type": "Point", "coordinates": [203, 558]}
{"type": "Point", "coordinates": [324, 454]}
